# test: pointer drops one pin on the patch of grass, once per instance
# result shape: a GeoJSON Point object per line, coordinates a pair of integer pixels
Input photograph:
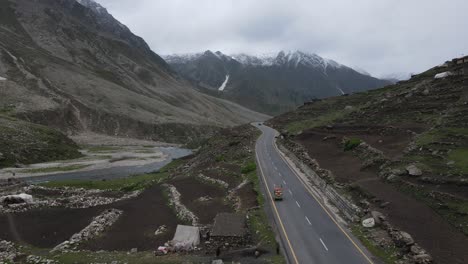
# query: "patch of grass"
{"type": "Point", "coordinates": [144, 151]}
{"type": "Point", "coordinates": [127, 184]}
{"type": "Point", "coordinates": [259, 225]}
{"type": "Point", "coordinates": [102, 148]}
{"type": "Point", "coordinates": [351, 143]}
{"type": "Point", "coordinates": [460, 157]}
{"type": "Point", "coordinates": [143, 257]}
{"type": "Point", "coordinates": [55, 169]}
{"type": "Point", "coordinates": [220, 158]}
{"type": "Point", "coordinates": [437, 135]}
{"type": "Point", "coordinates": [321, 120]}
{"type": "Point", "coordinates": [386, 255]}
{"type": "Point", "coordinates": [251, 166]}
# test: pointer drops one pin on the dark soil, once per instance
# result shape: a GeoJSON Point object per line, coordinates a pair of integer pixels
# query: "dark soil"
{"type": "Point", "coordinates": [248, 196]}
{"type": "Point", "coordinates": [227, 177]}
{"type": "Point", "coordinates": [46, 228]}
{"type": "Point", "coordinates": [391, 140]}
{"type": "Point", "coordinates": [135, 228]}
{"type": "Point", "coordinates": [191, 189]}
{"type": "Point", "coordinates": [444, 242]}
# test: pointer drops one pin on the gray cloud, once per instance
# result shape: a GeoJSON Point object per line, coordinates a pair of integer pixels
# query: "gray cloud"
{"type": "Point", "coordinates": [382, 37]}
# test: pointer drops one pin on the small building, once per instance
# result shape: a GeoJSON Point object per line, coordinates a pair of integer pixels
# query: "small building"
{"type": "Point", "coordinates": [461, 70]}
{"type": "Point", "coordinates": [229, 228]}
{"type": "Point", "coordinates": [460, 61]}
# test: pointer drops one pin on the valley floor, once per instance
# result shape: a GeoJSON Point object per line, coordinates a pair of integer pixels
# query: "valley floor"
{"type": "Point", "coordinates": [126, 219]}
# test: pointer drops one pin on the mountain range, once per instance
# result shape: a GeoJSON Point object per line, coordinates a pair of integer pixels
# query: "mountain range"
{"type": "Point", "coordinates": [270, 83]}
{"type": "Point", "coordinates": [70, 65]}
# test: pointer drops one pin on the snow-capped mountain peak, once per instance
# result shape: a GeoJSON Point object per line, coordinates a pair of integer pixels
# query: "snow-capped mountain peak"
{"type": "Point", "coordinates": [289, 59]}
{"type": "Point", "coordinates": [298, 58]}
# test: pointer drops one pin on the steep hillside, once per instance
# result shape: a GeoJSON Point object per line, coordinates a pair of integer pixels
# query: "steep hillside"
{"type": "Point", "coordinates": [23, 143]}
{"type": "Point", "coordinates": [271, 83]}
{"type": "Point", "coordinates": [401, 150]}
{"type": "Point", "coordinates": [71, 65]}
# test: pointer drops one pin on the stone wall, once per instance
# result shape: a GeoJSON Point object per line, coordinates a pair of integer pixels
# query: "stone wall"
{"type": "Point", "coordinates": [307, 166]}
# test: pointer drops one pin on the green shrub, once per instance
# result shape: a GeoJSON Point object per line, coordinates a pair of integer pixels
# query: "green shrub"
{"type": "Point", "coordinates": [220, 158]}
{"type": "Point", "coordinates": [251, 166]}
{"type": "Point", "coordinates": [351, 143]}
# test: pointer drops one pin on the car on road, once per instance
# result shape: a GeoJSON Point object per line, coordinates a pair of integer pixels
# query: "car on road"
{"type": "Point", "coordinates": [278, 192]}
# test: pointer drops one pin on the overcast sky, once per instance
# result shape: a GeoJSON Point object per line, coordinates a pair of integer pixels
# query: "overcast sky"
{"type": "Point", "coordinates": [379, 36]}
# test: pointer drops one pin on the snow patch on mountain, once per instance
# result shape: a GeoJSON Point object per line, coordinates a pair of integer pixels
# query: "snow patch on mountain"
{"type": "Point", "coordinates": [223, 85]}
{"type": "Point", "coordinates": [289, 59]}
{"type": "Point", "coordinates": [181, 58]}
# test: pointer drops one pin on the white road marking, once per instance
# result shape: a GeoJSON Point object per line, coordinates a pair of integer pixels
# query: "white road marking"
{"type": "Point", "coordinates": [325, 246]}
{"type": "Point", "coordinates": [281, 175]}
{"type": "Point", "coordinates": [308, 221]}
{"type": "Point", "coordinates": [284, 182]}
{"type": "Point", "coordinates": [276, 169]}
{"type": "Point", "coordinates": [290, 192]}
{"type": "Point", "coordinates": [298, 205]}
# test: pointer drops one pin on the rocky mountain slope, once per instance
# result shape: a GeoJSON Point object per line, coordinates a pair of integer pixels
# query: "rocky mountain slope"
{"type": "Point", "coordinates": [22, 143]}
{"type": "Point", "coordinates": [400, 151]}
{"type": "Point", "coordinates": [70, 65]}
{"type": "Point", "coordinates": [270, 83]}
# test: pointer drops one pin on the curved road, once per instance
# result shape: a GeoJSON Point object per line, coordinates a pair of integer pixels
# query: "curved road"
{"type": "Point", "coordinates": [309, 232]}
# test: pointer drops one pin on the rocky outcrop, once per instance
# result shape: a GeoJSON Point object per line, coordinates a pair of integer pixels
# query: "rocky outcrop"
{"type": "Point", "coordinates": [182, 211]}
{"type": "Point", "coordinates": [67, 197]}
{"type": "Point", "coordinates": [213, 181]}
{"type": "Point", "coordinates": [413, 170]}
{"type": "Point", "coordinates": [8, 252]}
{"type": "Point", "coordinates": [99, 224]}
{"type": "Point", "coordinates": [320, 178]}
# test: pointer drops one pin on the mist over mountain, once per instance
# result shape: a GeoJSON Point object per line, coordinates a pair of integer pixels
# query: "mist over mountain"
{"type": "Point", "coordinates": [270, 83]}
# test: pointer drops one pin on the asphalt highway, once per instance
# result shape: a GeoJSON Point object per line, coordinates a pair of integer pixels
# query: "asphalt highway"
{"type": "Point", "coordinates": [309, 231]}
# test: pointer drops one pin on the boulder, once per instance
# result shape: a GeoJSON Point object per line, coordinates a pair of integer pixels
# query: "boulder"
{"type": "Point", "coordinates": [413, 170]}
{"type": "Point", "coordinates": [369, 222]}
{"type": "Point", "coordinates": [349, 108]}
{"type": "Point", "coordinates": [405, 238]}
{"type": "Point", "coordinates": [2, 157]}
{"type": "Point", "coordinates": [134, 250]}
{"type": "Point", "coordinates": [378, 217]}
{"type": "Point", "coordinates": [17, 198]}
{"type": "Point", "coordinates": [217, 261]}
{"type": "Point", "coordinates": [422, 259]}
{"type": "Point", "coordinates": [415, 249]}
{"type": "Point", "coordinates": [393, 178]}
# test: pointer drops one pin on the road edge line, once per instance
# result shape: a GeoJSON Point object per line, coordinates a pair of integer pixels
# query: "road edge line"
{"type": "Point", "coordinates": [275, 209]}
{"type": "Point", "coordinates": [320, 203]}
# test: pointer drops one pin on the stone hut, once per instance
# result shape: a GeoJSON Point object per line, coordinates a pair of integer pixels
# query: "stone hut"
{"type": "Point", "coordinates": [230, 229]}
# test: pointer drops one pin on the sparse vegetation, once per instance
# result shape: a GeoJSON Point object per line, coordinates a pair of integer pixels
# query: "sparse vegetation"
{"type": "Point", "coordinates": [321, 120]}
{"type": "Point", "coordinates": [460, 157]}
{"type": "Point", "coordinates": [127, 184]}
{"type": "Point", "coordinates": [351, 143]}
{"type": "Point", "coordinates": [56, 169]}
{"type": "Point", "coordinates": [27, 143]}
{"type": "Point", "coordinates": [251, 166]}
{"type": "Point", "coordinates": [387, 255]}
{"type": "Point", "coordinates": [98, 149]}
